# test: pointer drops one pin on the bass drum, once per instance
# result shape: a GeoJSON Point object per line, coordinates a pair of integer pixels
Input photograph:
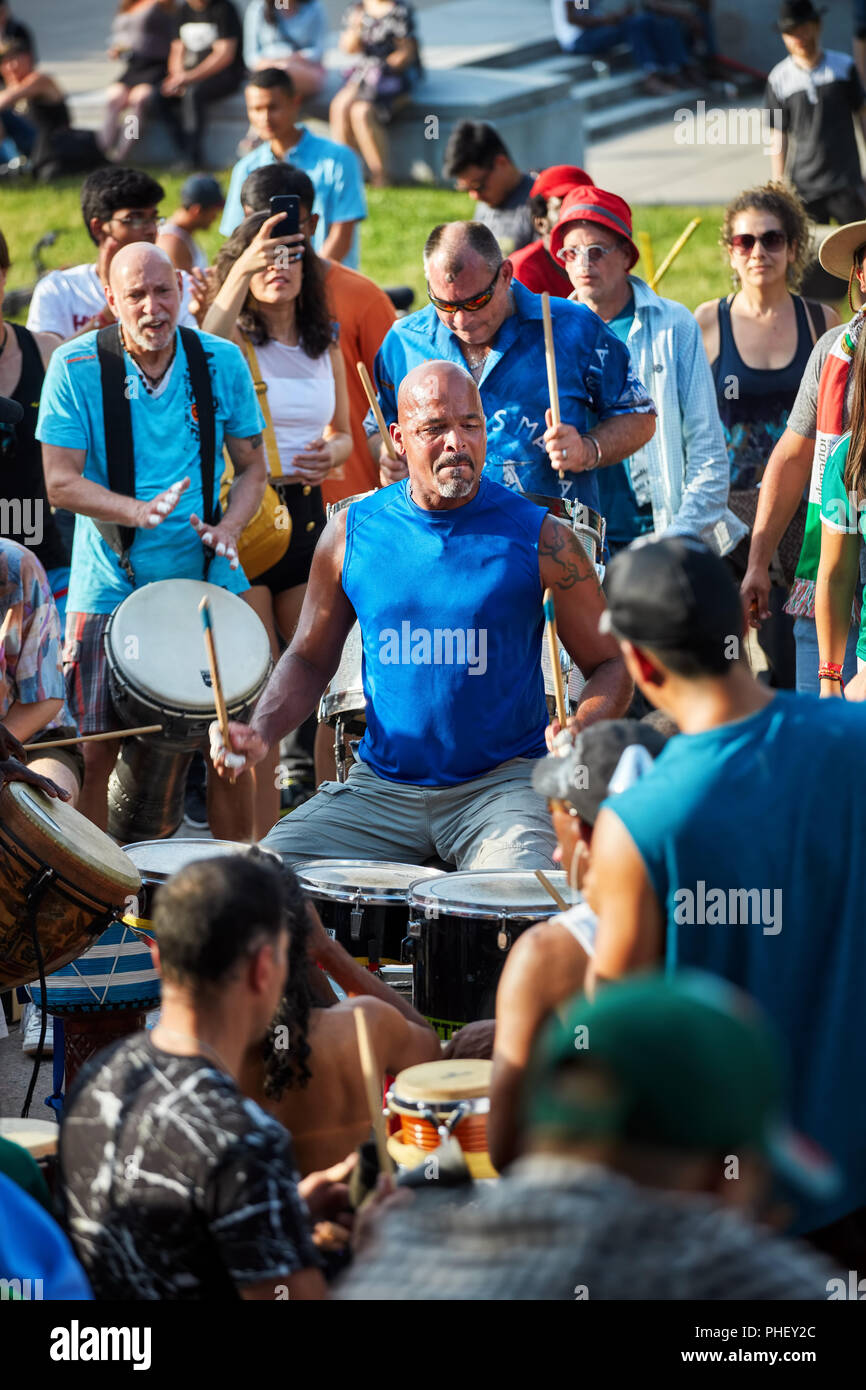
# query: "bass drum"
{"type": "Point", "coordinates": [463, 925]}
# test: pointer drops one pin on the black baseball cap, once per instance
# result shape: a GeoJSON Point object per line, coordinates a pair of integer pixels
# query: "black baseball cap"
{"type": "Point", "coordinates": [793, 13]}
{"type": "Point", "coordinates": [582, 776]}
{"type": "Point", "coordinates": [674, 595]}
{"type": "Point", "coordinates": [202, 189]}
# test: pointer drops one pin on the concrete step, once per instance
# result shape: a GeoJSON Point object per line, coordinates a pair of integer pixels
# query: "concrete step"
{"type": "Point", "coordinates": [604, 92]}
{"type": "Point", "coordinates": [634, 115]}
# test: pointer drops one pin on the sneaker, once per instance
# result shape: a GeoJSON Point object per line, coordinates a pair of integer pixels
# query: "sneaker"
{"type": "Point", "coordinates": [31, 1024]}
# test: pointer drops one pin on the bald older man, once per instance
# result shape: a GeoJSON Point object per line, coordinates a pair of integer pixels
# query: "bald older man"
{"type": "Point", "coordinates": [160, 530]}
{"type": "Point", "coordinates": [444, 572]}
{"type": "Point", "coordinates": [481, 318]}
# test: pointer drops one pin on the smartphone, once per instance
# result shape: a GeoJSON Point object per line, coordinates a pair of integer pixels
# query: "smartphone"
{"type": "Point", "coordinates": [290, 205]}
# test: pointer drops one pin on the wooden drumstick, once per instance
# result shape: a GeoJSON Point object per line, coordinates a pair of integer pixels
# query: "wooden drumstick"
{"type": "Point", "coordinates": [93, 738]}
{"type": "Point", "coordinates": [216, 683]}
{"type": "Point", "coordinates": [550, 359]}
{"type": "Point", "coordinates": [554, 892]}
{"type": "Point", "coordinates": [376, 409]}
{"type": "Point", "coordinates": [553, 647]}
{"type": "Point", "coordinates": [373, 1087]}
{"type": "Point", "coordinates": [4, 629]}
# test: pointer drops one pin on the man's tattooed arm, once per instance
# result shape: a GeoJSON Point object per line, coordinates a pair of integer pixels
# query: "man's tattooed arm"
{"type": "Point", "coordinates": [564, 562]}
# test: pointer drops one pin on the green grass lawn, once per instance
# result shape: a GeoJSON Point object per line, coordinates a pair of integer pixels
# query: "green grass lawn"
{"type": "Point", "coordinates": [391, 238]}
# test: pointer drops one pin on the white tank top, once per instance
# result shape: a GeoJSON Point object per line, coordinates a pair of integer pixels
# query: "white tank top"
{"type": "Point", "coordinates": [301, 397]}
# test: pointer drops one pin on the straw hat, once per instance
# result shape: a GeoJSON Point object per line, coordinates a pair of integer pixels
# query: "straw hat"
{"type": "Point", "coordinates": [836, 255]}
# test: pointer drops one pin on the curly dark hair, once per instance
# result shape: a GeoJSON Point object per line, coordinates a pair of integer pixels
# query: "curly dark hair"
{"type": "Point", "coordinates": [315, 330]}
{"type": "Point", "coordinates": [287, 1066]}
{"type": "Point", "coordinates": [106, 190]}
{"type": "Point", "coordinates": [779, 201]}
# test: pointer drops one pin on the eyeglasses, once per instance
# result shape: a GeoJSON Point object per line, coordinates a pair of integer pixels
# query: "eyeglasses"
{"type": "Point", "coordinates": [466, 306]}
{"type": "Point", "coordinates": [591, 254]}
{"type": "Point", "coordinates": [474, 187]}
{"type": "Point", "coordinates": [773, 240]}
{"type": "Point", "coordinates": [138, 221]}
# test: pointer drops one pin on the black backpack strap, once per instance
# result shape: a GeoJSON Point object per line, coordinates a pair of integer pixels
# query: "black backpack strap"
{"type": "Point", "coordinates": [117, 420]}
{"type": "Point", "coordinates": [199, 377]}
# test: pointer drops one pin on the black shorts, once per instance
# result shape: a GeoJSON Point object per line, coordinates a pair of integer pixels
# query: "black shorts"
{"type": "Point", "coordinates": [307, 511]}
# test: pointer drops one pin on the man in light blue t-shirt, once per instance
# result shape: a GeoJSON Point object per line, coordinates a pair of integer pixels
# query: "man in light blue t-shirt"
{"type": "Point", "coordinates": [741, 852]}
{"type": "Point", "coordinates": [171, 540]}
{"type": "Point", "coordinates": [272, 108]}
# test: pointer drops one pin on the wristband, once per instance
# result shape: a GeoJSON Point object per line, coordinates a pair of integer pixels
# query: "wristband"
{"type": "Point", "coordinates": [597, 463]}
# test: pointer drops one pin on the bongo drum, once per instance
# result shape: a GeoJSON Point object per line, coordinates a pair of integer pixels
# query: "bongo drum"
{"type": "Point", "coordinates": [75, 879]}
{"type": "Point", "coordinates": [364, 903]}
{"type": "Point", "coordinates": [440, 1100]}
{"type": "Point", "coordinates": [158, 674]}
{"type": "Point", "coordinates": [463, 926]}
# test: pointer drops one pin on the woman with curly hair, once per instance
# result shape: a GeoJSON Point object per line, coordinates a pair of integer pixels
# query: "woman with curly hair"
{"type": "Point", "coordinates": [311, 1080]}
{"type": "Point", "coordinates": [758, 341]}
{"type": "Point", "coordinates": [270, 300]}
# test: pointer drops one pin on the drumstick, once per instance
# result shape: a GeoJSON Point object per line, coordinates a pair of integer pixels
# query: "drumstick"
{"type": "Point", "coordinates": [216, 683]}
{"type": "Point", "coordinates": [675, 251]}
{"type": "Point", "coordinates": [376, 409]}
{"type": "Point", "coordinates": [550, 359]}
{"type": "Point", "coordinates": [93, 738]}
{"type": "Point", "coordinates": [4, 629]}
{"type": "Point", "coordinates": [553, 646]}
{"type": "Point", "coordinates": [373, 1084]}
{"type": "Point", "coordinates": [554, 892]}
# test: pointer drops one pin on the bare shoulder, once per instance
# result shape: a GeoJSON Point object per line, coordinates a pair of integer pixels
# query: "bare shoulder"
{"type": "Point", "coordinates": [831, 318]}
{"type": "Point", "coordinates": [706, 313]}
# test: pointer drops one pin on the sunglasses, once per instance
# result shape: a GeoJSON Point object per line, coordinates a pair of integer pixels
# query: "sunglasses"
{"type": "Point", "coordinates": [466, 306]}
{"type": "Point", "coordinates": [744, 242]}
{"type": "Point", "coordinates": [591, 254]}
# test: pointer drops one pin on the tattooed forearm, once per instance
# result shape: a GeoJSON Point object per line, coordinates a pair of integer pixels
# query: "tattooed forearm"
{"type": "Point", "coordinates": [564, 562]}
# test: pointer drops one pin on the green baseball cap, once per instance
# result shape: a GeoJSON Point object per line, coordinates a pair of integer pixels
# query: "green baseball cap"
{"type": "Point", "coordinates": [685, 1063]}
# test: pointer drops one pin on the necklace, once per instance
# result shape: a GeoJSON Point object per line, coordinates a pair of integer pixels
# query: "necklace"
{"type": "Point", "coordinates": [190, 1037]}
{"type": "Point", "coordinates": [151, 382]}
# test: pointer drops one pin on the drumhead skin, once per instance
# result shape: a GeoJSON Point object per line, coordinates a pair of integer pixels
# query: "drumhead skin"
{"type": "Point", "coordinates": [157, 860]}
{"type": "Point", "coordinates": [432, 1082]}
{"type": "Point", "coordinates": [361, 880]}
{"type": "Point", "coordinates": [494, 894]}
{"type": "Point", "coordinates": [67, 841]}
{"type": "Point", "coordinates": [155, 643]}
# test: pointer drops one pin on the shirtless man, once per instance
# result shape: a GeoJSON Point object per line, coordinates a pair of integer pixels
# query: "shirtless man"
{"type": "Point", "coordinates": [547, 964]}
{"type": "Point", "coordinates": [328, 1117]}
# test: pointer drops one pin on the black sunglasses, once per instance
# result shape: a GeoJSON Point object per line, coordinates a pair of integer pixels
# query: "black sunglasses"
{"type": "Point", "coordinates": [771, 241]}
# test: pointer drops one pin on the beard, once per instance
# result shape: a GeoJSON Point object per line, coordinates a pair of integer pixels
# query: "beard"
{"type": "Point", "coordinates": [455, 487]}
{"type": "Point", "coordinates": [143, 335]}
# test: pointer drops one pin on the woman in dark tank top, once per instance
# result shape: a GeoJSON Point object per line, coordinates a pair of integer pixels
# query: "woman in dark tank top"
{"type": "Point", "coordinates": [758, 341]}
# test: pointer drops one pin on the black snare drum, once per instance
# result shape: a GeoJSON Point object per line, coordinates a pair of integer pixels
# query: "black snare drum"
{"type": "Point", "coordinates": [363, 903]}
{"type": "Point", "coordinates": [463, 926]}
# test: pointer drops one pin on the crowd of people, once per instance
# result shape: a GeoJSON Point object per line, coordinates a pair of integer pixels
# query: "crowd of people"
{"type": "Point", "coordinates": [662, 1046]}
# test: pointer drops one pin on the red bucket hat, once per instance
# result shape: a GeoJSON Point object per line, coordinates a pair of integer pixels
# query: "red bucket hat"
{"type": "Point", "coordinates": [558, 180]}
{"type": "Point", "coordinates": [591, 204]}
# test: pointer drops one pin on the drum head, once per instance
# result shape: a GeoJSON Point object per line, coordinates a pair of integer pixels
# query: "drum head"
{"type": "Point", "coordinates": [496, 893]}
{"type": "Point", "coordinates": [60, 834]}
{"type": "Point", "coordinates": [443, 1081]}
{"type": "Point", "coordinates": [157, 860]}
{"type": "Point", "coordinates": [364, 880]}
{"type": "Point", "coordinates": [156, 644]}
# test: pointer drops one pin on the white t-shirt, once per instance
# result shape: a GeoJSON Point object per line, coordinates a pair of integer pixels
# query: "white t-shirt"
{"type": "Point", "coordinates": [301, 397]}
{"type": "Point", "coordinates": [65, 300]}
{"type": "Point", "coordinates": [582, 922]}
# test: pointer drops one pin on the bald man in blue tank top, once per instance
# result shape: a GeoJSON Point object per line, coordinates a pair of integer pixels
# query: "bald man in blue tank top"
{"type": "Point", "coordinates": [445, 572]}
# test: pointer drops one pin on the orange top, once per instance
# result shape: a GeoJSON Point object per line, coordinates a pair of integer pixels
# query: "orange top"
{"type": "Point", "coordinates": [364, 314]}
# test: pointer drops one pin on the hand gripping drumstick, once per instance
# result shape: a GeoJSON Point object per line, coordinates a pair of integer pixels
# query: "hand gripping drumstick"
{"type": "Point", "coordinates": [372, 1085]}
{"type": "Point", "coordinates": [550, 359]}
{"type": "Point", "coordinates": [376, 409]}
{"type": "Point", "coordinates": [553, 647]}
{"type": "Point", "coordinates": [216, 683]}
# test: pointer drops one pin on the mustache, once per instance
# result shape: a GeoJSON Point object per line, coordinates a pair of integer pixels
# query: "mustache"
{"type": "Point", "coordinates": [452, 460]}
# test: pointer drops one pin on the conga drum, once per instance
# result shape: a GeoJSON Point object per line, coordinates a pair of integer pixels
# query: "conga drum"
{"type": "Point", "coordinates": [59, 876]}
{"type": "Point", "coordinates": [158, 674]}
{"type": "Point", "coordinates": [463, 926]}
{"type": "Point", "coordinates": [436, 1101]}
{"type": "Point", "coordinates": [363, 904]}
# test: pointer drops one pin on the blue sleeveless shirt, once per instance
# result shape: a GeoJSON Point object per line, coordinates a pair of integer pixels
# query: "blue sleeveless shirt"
{"type": "Point", "coordinates": [449, 605]}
